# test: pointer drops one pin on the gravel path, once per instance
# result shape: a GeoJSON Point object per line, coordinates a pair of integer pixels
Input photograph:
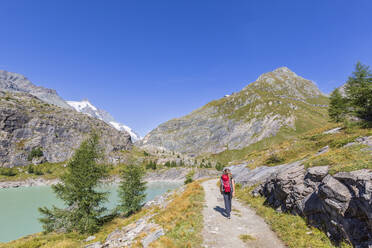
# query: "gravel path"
{"type": "Point", "coordinates": [222, 232]}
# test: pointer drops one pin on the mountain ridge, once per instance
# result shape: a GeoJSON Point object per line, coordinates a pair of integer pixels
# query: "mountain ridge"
{"type": "Point", "coordinates": [86, 107]}
{"type": "Point", "coordinates": [276, 100]}
{"type": "Point", "coordinates": [15, 82]}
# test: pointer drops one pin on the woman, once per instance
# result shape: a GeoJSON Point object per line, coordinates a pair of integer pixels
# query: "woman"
{"type": "Point", "coordinates": [227, 189]}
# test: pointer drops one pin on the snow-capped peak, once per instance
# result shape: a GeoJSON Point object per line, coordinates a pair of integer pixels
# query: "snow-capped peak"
{"type": "Point", "coordinates": [86, 107]}
{"type": "Point", "coordinates": [79, 106]}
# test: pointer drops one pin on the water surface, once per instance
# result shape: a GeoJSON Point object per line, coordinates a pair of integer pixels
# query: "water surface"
{"type": "Point", "coordinates": [18, 206]}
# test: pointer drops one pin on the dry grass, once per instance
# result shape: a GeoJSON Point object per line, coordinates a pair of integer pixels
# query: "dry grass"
{"type": "Point", "coordinates": [182, 220]}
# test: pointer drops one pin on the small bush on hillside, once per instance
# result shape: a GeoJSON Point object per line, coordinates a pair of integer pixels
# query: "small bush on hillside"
{"type": "Point", "coordinates": [151, 165]}
{"type": "Point", "coordinates": [274, 159]}
{"type": "Point", "coordinates": [35, 153]}
{"type": "Point", "coordinates": [189, 177]}
{"type": "Point", "coordinates": [9, 172]}
{"type": "Point", "coordinates": [170, 164]}
{"type": "Point", "coordinates": [30, 169]}
{"type": "Point", "coordinates": [219, 166]}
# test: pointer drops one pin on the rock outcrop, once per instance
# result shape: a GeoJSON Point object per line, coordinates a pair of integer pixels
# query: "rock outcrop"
{"type": "Point", "coordinates": [279, 101]}
{"type": "Point", "coordinates": [28, 124]}
{"type": "Point", "coordinates": [341, 204]}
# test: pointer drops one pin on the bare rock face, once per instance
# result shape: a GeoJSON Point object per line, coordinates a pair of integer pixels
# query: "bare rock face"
{"type": "Point", "coordinates": [14, 82]}
{"type": "Point", "coordinates": [278, 100]}
{"type": "Point", "coordinates": [27, 123]}
{"type": "Point", "coordinates": [341, 205]}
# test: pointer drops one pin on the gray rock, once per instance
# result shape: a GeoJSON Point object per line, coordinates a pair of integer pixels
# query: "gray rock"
{"type": "Point", "coordinates": [152, 237]}
{"type": "Point", "coordinates": [94, 245]}
{"type": "Point", "coordinates": [332, 131]}
{"type": "Point", "coordinates": [341, 205]}
{"type": "Point", "coordinates": [90, 238]}
{"type": "Point", "coordinates": [317, 173]}
{"type": "Point", "coordinates": [323, 150]}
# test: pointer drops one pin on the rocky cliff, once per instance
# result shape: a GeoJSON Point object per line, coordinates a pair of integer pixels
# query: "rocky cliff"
{"type": "Point", "coordinates": [278, 102]}
{"type": "Point", "coordinates": [341, 204]}
{"type": "Point", "coordinates": [14, 82]}
{"type": "Point", "coordinates": [32, 129]}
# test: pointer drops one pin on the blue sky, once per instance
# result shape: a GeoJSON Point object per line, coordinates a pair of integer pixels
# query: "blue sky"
{"type": "Point", "coordinates": [149, 61]}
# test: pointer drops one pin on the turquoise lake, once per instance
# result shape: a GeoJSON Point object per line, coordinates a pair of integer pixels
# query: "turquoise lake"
{"type": "Point", "coordinates": [18, 206]}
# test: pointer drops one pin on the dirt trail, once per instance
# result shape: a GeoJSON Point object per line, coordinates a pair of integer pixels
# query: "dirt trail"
{"type": "Point", "coordinates": [220, 232]}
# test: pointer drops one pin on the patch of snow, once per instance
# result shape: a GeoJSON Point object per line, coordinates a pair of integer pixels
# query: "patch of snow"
{"type": "Point", "coordinates": [79, 106]}
{"type": "Point", "coordinates": [122, 127]}
{"type": "Point", "coordinates": [87, 108]}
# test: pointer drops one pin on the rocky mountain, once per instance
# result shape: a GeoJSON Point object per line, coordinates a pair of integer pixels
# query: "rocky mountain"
{"type": "Point", "coordinates": [278, 103]}
{"type": "Point", "coordinates": [14, 82]}
{"type": "Point", "coordinates": [31, 129]}
{"type": "Point", "coordinates": [86, 107]}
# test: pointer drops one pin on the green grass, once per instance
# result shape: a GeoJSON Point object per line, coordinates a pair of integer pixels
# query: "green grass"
{"type": "Point", "coordinates": [182, 220]}
{"type": "Point", "coordinates": [285, 148]}
{"type": "Point", "coordinates": [45, 170]}
{"type": "Point", "coordinates": [291, 229]}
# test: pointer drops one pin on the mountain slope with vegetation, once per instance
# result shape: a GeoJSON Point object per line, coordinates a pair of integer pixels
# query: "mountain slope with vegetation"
{"type": "Point", "coordinates": [279, 103]}
{"type": "Point", "coordinates": [33, 131]}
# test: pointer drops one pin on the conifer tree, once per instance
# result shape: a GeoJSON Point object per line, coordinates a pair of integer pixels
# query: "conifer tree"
{"type": "Point", "coordinates": [132, 189]}
{"type": "Point", "coordinates": [78, 190]}
{"type": "Point", "coordinates": [359, 91]}
{"type": "Point", "coordinates": [338, 106]}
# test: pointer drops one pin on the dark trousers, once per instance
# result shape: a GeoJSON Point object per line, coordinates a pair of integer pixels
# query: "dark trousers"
{"type": "Point", "coordinates": [227, 199]}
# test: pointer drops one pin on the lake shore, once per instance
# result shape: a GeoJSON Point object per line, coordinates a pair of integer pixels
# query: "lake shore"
{"type": "Point", "coordinates": [164, 175]}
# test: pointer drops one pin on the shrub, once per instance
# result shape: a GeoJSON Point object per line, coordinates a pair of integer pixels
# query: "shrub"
{"type": "Point", "coordinates": [30, 169]}
{"type": "Point", "coordinates": [219, 166]}
{"type": "Point", "coordinates": [189, 177]}
{"type": "Point", "coordinates": [151, 165]}
{"type": "Point", "coordinates": [274, 159]}
{"type": "Point", "coordinates": [35, 153]}
{"type": "Point", "coordinates": [9, 172]}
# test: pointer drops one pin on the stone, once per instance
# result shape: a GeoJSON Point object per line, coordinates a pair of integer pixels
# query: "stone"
{"type": "Point", "coordinates": [317, 173]}
{"type": "Point", "coordinates": [94, 245]}
{"type": "Point", "coordinates": [152, 237]}
{"type": "Point", "coordinates": [332, 131]}
{"type": "Point", "coordinates": [323, 150]}
{"type": "Point", "coordinates": [90, 238]}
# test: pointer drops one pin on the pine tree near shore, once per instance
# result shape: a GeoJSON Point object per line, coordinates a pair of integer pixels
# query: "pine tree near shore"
{"type": "Point", "coordinates": [132, 189]}
{"type": "Point", "coordinates": [78, 191]}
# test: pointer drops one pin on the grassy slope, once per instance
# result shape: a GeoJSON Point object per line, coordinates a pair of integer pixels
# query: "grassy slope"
{"type": "Point", "coordinates": [306, 146]}
{"type": "Point", "coordinates": [181, 219]}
